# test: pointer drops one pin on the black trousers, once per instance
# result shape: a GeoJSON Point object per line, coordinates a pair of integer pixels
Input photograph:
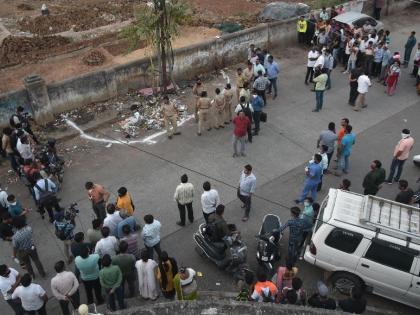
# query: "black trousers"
{"type": "Point", "coordinates": [309, 74]}
{"type": "Point", "coordinates": [99, 209]}
{"type": "Point", "coordinates": [41, 311]}
{"type": "Point", "coordinates": [49, 206]}
{"type": "Point", "coordinates": [257, 119]}
{"type": "Point", "coordinates": [301, 37]}
{"type": "Point", "coordinates": [131, 283]}
{"type": "Point", "coordinates": [262, 94]}
{"type": "Point", "coordinates": [90, 286]}
{"type": "Point", "coordinates": [156, 248]}
{"type": "Point", "coordinates": [16, 305]}
{"type": "Point", "coordinates": [247, 202]}
{"type": "Point", "coordinates": [206, 216]}
{"type": "Point", "coordinates": [377, 13]}
{"type": "Point", "coordinates": [182, 212]}
{"type": "Point", "coordinates": [75, 301]}
{"type": "Point", "coordinates": [353, 94]}
{"type": "Point", "coordinates": [329, 155]}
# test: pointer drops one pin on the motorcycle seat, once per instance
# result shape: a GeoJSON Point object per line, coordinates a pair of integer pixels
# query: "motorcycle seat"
{"type": "Point", "coordinates": [220, 246]}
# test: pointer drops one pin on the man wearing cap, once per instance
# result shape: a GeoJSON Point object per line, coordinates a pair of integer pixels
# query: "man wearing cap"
{"type": "Point", "coordinates": [170, 115]}
{"type": "Point", "coordinates": [302, 26]}
{"type": "Point", "coordinates": [321, 299]}
{"type": "Point", "coordinates": [198, 88]}
{"type": "Point", "coordinates": [204, 114]}
{"type": "Point", "coordinates": [401, 153]}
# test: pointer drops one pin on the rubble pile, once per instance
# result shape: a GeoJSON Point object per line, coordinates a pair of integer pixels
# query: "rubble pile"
{"type": "Point", "coordinates": [94, 58]}
{"type": "Point", "coordinates": [63, 19]}
{"type": "Point", "coordinates": [124, 108]}
{"type": "Point", "coordinates": [15, 50]}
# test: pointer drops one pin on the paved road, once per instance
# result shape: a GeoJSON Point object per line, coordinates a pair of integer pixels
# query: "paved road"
{"type": "Point", "coordinates": [278, 155]}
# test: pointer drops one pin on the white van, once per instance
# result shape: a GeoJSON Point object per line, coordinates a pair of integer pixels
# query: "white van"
{"type": "Point", "coordinates": [369, 242]}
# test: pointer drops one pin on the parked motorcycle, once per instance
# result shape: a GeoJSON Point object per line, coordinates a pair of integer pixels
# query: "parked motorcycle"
{"type": "Point", "coordinates": [268, 238]}
{"type": "Point", "coordinates": [416, 160]}
{"type": "Point", "coordinates": [52, 164]}
{"type": "Point", "coordinates": [229, 255]}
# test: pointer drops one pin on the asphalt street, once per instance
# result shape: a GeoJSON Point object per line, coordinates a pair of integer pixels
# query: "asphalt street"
{"type": "Point", "coordinates": [278, 155]}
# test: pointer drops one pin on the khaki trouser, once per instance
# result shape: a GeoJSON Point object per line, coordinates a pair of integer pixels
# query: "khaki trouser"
{"type": "Point", "coordinates": [228, 112]}
{"type": "Point", "coordinates": [171, 120]}
{"type": "Point", "coordinates": [219, 116]}
{"type": "Point", "coordinates": [360, 101]}
{"type": "Point", "coordinates": [203, 118]}
{"type": "Point", "coordinates": [196, 98]}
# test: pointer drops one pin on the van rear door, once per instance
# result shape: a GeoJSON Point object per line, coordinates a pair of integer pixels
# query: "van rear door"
{"type": "Point", "coordinates": [387, 267]}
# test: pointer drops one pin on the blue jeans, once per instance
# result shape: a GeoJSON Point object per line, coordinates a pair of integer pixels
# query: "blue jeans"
{"type": "Point", "coordinates": [395, 164]}
{"type": "Point", "coordinates": [308, 188]}
{"type": "Point", "coordinates": [319, 99]}
{"type": "Point", "coordinates": [119, 294]}
{"type": "Point", "coordinates": [344, 163]}
{"type": "Point", "coordinates": [292, 251]}
{"type": "Point", "coordinates": [273, 85]}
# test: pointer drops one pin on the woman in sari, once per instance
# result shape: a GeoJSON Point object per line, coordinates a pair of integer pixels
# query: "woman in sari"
{"type": "Point", "coordinates": [165, 273]}
{"type": "Point", "coordinates": [392, 78]}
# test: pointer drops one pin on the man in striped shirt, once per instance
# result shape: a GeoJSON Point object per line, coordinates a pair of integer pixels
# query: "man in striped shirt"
{"type": "Point", "coordinates": [184, 195]}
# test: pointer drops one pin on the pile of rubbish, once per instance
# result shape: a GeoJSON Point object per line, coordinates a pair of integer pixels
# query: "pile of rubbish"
{"type": "Point", "coordinates": [94, 58]}
{"type": "Point", "coordinates": [134, 112]}
{"type": "Point", "coordinates": [15, 50]}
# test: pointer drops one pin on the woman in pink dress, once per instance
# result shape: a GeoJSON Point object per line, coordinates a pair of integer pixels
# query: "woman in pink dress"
{"type": "Point", "coordinates": [392, 78]}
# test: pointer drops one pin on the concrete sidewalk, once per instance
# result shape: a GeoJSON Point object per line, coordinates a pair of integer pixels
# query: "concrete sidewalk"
{"type": "Point", "coordinates": [285, 143]}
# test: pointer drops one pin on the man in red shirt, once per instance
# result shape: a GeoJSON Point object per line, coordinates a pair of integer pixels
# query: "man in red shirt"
{"type": "Point", "coordinates": [241, 123]}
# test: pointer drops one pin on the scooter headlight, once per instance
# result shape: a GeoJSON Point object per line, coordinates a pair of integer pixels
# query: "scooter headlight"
{"type": "Point", "coordinates": [258, 255]}
{"type": "Point", "coordinates": [272, 257]}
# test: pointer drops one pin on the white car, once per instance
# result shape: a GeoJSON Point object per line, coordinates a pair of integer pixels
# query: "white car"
{"type": "Point", "coordinates": [350, 20]}
{"type": "Point", "coordinates": [369, 242]}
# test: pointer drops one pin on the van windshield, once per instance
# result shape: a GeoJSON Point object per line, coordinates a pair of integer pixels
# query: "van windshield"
{"type": "Point", "coordinates": [320, 218]}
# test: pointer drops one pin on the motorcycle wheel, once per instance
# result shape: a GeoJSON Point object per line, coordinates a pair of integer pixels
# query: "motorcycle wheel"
{"type": "Point", "coordinates": [200, 251]}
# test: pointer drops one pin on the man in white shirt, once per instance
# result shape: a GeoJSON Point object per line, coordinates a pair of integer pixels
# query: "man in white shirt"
{"type": "Point", "coordinates": [209, 200]}
{"type": "Point", "coordinates": [112, 218]}
{"type": "Point", "coordinates": [65, 288]}
{"type": "Point", "coordinates": [24, 148]}
{"type": "Point", "coordinates": [108, 244]}
{"type": "Point", "coordinates": [9, 280]}
{"type": "Point", "coordinates": [184, 195]}
{"type": "Point", "coordinates": [319, 63]}
{"type": "Point", "coordinates": [246, 188]}
{"type": "Point", "coordinates": [3, 200]}
{"type": "Point", "coordinates": [313, 55]}
{"type": "Point", "coordinates": [32, 296]}
{"type": "Point", "coordinates": [363, 84]}
{"type": "Point", "coordinates": [41, 188]}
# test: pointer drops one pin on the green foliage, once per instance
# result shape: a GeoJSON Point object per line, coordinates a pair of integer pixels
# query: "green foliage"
{"type": "Point", "coordinates": [147, 24]}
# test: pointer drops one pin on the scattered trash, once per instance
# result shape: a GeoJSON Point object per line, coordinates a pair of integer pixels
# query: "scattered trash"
{"type": "Point", "coordinates": [108, 145]}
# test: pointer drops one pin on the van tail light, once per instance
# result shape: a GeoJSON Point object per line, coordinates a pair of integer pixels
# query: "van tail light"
{"type": "Point", "coordinates": [312, 248]}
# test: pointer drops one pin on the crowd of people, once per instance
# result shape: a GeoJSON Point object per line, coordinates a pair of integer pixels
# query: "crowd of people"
{"type": "Point", "coordinates": [108, 258]}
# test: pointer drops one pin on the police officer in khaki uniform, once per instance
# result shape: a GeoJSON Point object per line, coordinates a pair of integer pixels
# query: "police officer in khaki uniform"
{"type": "Point", "coordinates": [219, 109]}
{"type": "Point", "coordinates": [240, 80]}
{"type": "Point", "coordinates": [228, 96]}
{"type": "Point", "coordinates": [204, 114]}
{"type": "Point", "coordinates": [170, 115]}
{"type": "Point", "coordinates": [197, 89]}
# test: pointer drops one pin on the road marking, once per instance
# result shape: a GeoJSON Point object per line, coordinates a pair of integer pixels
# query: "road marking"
{"type": "Point", "coordinates": [147, 140]}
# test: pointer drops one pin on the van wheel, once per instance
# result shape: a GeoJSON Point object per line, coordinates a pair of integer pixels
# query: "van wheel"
{"type": "Point", "coordinates": [344, 282]}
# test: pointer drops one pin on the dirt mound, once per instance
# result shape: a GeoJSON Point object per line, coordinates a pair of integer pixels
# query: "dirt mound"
{"type": "Point", "coordinates": [78, 19]}
{"type": "Point", "coordinates": [94, 58]}
{"type": "Point", "coordinates": [16, 50]}
{"type": "Point", "coordinates": [25, 7]}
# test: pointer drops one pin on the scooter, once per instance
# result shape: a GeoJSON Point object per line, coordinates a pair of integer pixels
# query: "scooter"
{"type": "Point", "coordinates": [216, 251]}
{"type": "Point", "coordinates": [53, 165]}
{"type": "Point", "coordinates": [268, 249]}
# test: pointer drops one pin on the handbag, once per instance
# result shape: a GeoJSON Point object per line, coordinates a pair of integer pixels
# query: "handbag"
{"type": "Point", "coordinates": [263, 117]}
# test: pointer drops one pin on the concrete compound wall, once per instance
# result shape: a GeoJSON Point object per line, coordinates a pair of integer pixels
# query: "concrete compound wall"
{"type": "Point", "coordinates": [189, 61]}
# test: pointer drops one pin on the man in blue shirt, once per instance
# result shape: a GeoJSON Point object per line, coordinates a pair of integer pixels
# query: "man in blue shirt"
{"type": "Point", "coordinates": [273, 71]}
{"type": "Point", "coordinates": [345, 148]}
{"type": "Point", "coordinates": [313, 177]}
{"type": "Point", "coordinates": [297, 226]}
{"type": "Point", "coordinates": [257, 104]}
